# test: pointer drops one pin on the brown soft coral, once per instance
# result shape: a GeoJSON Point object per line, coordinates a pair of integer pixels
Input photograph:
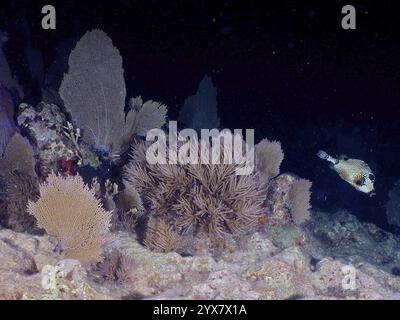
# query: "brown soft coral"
{"type": "Point", "coordinates": [196, 199]}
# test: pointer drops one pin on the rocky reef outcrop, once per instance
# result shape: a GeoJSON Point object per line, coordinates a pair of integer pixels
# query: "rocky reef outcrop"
{"type": "Point", "coordinates": [275, 263]}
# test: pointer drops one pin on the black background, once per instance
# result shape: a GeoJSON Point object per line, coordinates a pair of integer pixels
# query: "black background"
{"type": "Point", "coordinates": [284, 68]}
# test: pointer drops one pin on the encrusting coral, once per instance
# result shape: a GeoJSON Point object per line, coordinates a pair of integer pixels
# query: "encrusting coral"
{"type": "Point", "coordinates": [68, 210]}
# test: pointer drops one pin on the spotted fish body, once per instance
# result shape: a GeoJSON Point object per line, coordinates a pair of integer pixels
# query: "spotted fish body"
{"type": "Point", "coordinates": [355, 172]}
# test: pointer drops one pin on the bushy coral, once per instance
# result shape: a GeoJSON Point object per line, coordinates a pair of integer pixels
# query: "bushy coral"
{"type": "Point", "coordinates": [116, 267]}
{"type": "Point", "coordinates": [68, 210]}
{"type": "Point", "coordinates": [196, 199]}
{"type": "Point", "coordinates": [161, 237]}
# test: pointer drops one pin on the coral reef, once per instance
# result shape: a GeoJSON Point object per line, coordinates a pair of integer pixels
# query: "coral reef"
{"type": "Point", "coordinates": [29, 269]}
{"type": "Point", "coordinates": [53, 138]}
{"type": "Point", "coordinates": [68, 210]}
{"type": "Point", "coordinates": [162, 231]}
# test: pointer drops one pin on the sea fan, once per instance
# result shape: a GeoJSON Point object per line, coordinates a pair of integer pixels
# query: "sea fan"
{"type": "Point", "coordinates": [299, 200]}
{"type": "Point", "coordinates": [19, 183]}
{"type": "Point", "coordinates": [200, 111]}
{"type": "Point", "coordinates": [7, 126]}
{"type": "Point", "coordinates": [94, 90]}
{"type": "Point", "coordinates": [18, 156]}
{"type": "Point", "coordinates": [68, 210]}
{"type": "Point", "coordinates": [268, 157]}
{"type": "Point", "coordinates": [94, 93]}
{"type": "Point", "coordinates": [15, 192]}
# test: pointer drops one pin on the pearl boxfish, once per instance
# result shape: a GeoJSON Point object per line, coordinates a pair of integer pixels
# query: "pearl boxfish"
{"type": "Point", "coordinates": [354, 171]}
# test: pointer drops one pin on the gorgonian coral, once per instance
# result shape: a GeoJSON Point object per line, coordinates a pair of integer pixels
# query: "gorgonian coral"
{"type": "Point", "coordinates": [299, 200]}
{"type": "Point", "coordinates": [15, 191]}
{"type": "Point", "coordinates": [196, 199]}
{"type": "Point", "coordinates": [94, 93]}
{"type": "Point", "coordinates": [200, 110]}
{"type": "Point", "coordinates": [18, 184]}
{"type": "Point", "coordinates": [68, 210]}
{"type": "Point", "coordinates": [268, 158]}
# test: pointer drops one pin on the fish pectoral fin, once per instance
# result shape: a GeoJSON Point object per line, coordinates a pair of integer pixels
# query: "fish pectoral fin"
{"type": "Point", "coordinates": [343, 157]}
{"type": "Point", "coordinates": [343, 174]}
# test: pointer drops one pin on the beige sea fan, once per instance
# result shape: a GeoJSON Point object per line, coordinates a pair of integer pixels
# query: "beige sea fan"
{"type": "Point", "coordinates": [299, 198]}
{"type": "Point", "coordinates": [68, 210]}
{"type": "Point", "coordinates": [268, 157]}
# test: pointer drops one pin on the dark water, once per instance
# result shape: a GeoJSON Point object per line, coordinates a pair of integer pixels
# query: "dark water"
{"type": "Point", "coordinates": [286, 69]}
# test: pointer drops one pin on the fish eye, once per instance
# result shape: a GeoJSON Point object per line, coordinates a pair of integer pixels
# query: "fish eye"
{"type": "Point", "coordinates": [371, 177]}
{"type": "Point", "coordinates": [360, 181]}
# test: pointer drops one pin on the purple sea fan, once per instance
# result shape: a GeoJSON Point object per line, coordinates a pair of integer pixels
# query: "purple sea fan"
{"type": "Point", "coordinates": [7, 127]}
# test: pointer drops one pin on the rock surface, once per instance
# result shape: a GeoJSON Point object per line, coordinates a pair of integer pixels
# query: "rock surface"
{"type": "Point", "coordinates": [344, 237]}
{"type": "Point", "coordinates": [263, 268]}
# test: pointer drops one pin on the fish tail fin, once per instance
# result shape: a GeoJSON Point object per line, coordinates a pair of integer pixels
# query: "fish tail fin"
{"type": "Point", "coordinates": [322, 154]}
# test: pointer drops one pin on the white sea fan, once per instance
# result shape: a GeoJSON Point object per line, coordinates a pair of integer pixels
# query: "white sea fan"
{"type": "Point", "coordinates": [94, 93]}
{"type": "Point", "coordinates": [94, 90]}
